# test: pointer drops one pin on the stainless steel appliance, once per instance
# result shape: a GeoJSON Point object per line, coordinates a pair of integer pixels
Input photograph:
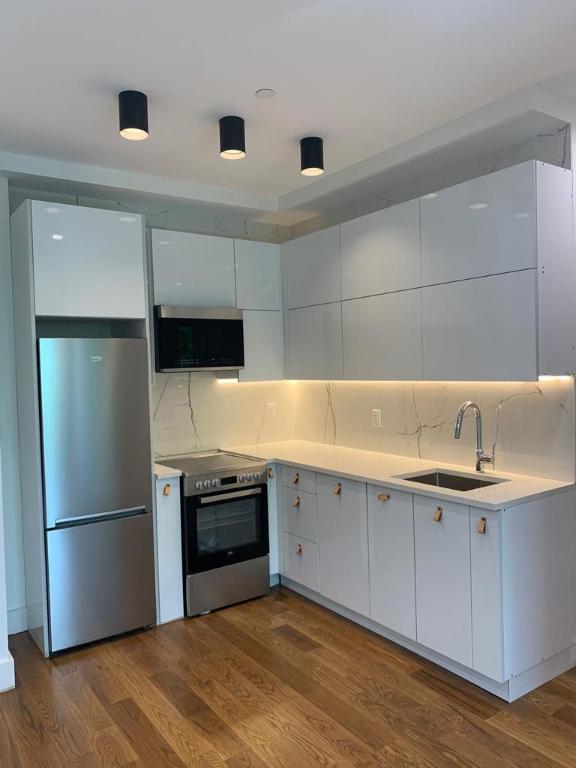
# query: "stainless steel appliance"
{"type": "Point", "coordinates": [97, 476]}
{"type": "Point", "coordinates": [224, 529]}
{"type": "Point", "coordinates": [198, 339]}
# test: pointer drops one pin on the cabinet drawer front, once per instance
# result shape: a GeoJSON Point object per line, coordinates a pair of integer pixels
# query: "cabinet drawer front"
{"type": "Point", "coordinates": [299, 479]}
{"type": "Point", "coordinates": [486, 580]}
{"type": "Point", "coordinates": [443, 593]}
{"type": "Point", "coordinates": [301, 561]}
{"type": "Point", "coordinates": [300, 514]}
{"type": "Point", "coordinates": [392, 572]}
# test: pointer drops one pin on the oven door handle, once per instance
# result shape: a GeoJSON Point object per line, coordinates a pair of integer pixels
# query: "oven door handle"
{"type": "Point", "coordinates": [230, 496]}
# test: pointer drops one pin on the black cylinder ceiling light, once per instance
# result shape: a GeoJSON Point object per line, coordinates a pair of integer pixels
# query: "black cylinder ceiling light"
{"type": "Point", "coordinates": [232, 138]}
{"type": "Point", "coordinates": [311, 156]}
{"type": "Point", "coordinates": [133, 111]}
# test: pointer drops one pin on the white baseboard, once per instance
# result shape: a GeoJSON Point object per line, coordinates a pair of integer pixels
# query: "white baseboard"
{"type": "Point", "coordinates": [274, 579]}
{"type": "Point", "coordinates": [17, 620]}
{"type": "Point", "coordinates": [7, 680]}
{"type": "Point", "coordinates": [509, 691]}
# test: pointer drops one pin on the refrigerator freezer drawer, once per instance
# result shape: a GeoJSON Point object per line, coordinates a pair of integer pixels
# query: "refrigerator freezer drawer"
{"type": "Point", "coordinates": [100, 580]}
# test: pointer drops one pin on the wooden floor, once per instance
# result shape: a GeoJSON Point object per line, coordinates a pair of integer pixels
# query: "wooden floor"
{"type": "Point", "coordinates": [275, 682]}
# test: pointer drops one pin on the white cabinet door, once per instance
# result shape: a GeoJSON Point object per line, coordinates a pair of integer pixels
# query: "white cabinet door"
{"type": "Point", "coordinates": [257, 275]}
{"type": "Point", "coordinates": [381, 252]}
{"type": "Point", "coordinates": [193, 270]}
{"type": "Point", "coordinates": [391, 547]}
{"type": "Point", "coordinates": [482, 329]}
{"type": "Point", "coordinates": [481, 227]}
{"type": "Point", "coordinates": [343, 542]}
{"type": "Point", "coordinates": [486, 565]}
{"type": "Point", "coordinates": [382, 336]}
{"type": "Point", "coordinates": [443, 593]}
{"type": "Point", "coordinates": [315, 342]}
{"type": "Point", "coordinates": [300, 558]}
{"type": "Point", "coordinates": [88, 262]}
{"type": "Point", "coordinates": [169, 550]}
{"type": "Point", "coordinates": [312, 266]}
{"type": "Point", "coordinates": [263, 346]}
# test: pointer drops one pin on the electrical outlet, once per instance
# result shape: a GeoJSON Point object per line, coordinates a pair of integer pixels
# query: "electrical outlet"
{"type": "Point", "coordinates": [376, 417]}
{"type": "Point", "coordinates": [271, 410]}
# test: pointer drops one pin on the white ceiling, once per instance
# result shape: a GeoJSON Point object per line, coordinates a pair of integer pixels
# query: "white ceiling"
{"type": "Point", "coordinates": [364, 74]}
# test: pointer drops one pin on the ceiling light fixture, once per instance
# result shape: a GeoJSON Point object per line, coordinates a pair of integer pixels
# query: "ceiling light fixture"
{"type": "Point", "coordinates": [133, 112]}
{"type": "Point", "coordinates": [311, 156]}
{"type": "Point", "coordinates": [232, 138]}
{"type": "Point", "coordinates": [265, 93]}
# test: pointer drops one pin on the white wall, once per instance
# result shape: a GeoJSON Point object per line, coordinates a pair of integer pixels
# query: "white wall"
{"type": "Point", "coordinates": [16, 597]}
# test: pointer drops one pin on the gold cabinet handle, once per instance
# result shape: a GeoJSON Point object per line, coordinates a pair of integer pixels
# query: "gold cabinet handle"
{"type": "Point", "coordinates": [482, 525]}
{"type": "Point", "coordinates": [383, 497]}
{"type": "Point", "coordinates": [338, 489]}
{"type": "Point", "coordinates": [296, 478]}
{"type": "Point", "coordinates": [296, 502]}
{"type": "Point", "coordinates": [167, 490]}
{"type": "Point", "coordinates": [270, 473]}
{"type": "Point", "coordinates": [299, 550]}
{"type": "Point", "coordinates": [438, 514]}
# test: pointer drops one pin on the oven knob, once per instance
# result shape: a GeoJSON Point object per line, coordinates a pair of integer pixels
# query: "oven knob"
{"type": "Point", "coordinates": [198, 486]}
{"type": "Point", "coordinates": [256, 475]}
{"type": "Point", "coordinates": [206, 483]}
{"type": "Point", "coordinates": [241, 478]}
{"type": "Point", "coordinates": [214, 483]}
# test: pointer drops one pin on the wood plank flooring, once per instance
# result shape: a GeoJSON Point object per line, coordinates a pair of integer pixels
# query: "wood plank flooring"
{"type": "Point", "coordinates": [279, 682]}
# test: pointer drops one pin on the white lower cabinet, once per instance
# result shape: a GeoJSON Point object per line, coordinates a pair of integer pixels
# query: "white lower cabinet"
{"type": "Point", "coordinates": [300, 560]}
{"type": "Point", "coordinates": [300, 513]}
{"type": "Point", "coordinates": [443, 593]}
{"type": "Point", "coordinates": [391, 547]}
{"type": "Point", "coordinates": [486, 581]}
{"type": "Point", "coordinates": [343, 542]}
{"type": "Point", "coordinates": [169, 550]}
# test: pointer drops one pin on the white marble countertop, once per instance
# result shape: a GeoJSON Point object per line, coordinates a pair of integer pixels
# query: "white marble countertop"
{"type": "Point", "coordinates": [382, 469]}
{"type": "Point", "coordinates": [161, 471]}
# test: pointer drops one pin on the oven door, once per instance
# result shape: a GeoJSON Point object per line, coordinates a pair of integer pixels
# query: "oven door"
{"type": "Point", "coordinates": [225, 528]}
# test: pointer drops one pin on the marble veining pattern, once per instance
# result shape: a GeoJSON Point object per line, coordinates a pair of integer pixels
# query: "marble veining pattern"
{"type": "Point", "coordinates": [529, 426]}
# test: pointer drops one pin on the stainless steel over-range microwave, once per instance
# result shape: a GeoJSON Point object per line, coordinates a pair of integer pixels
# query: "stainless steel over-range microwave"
{"type": "Point", "coordinates": [198, 339]}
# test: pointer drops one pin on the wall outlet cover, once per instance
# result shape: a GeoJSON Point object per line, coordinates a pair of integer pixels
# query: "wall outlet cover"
{"type": "Point", "coordinates": [376, 417]}
{"type": "Point", "coordinates": [271, 410]}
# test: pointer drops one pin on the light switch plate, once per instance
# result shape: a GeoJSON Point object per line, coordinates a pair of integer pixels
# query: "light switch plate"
{"type": "Point", "coordinates": [271, 410]}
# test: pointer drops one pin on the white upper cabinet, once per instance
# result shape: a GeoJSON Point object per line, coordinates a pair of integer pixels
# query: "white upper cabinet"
{"type": "Point", "coordinates": [481, 227]}
{"type": "Point", "coordinates": [193, 270]}
{"type": "Point", "coordinates": [482, 329]}
{"type": "Point", "coordinates": [257, 275]}
{"type": "Point", "coordinates": [88, 262]}
{"type": "Point", "coordinates": [312, 269]}
{"type": "Point", "coordinates": [263, 346]}
{"type": "Point", "coordinates": [381, 252]}
{"type": "Point", "coordinates": [382, 336]}
{"type": "Point", "coordinates": [315, 342]}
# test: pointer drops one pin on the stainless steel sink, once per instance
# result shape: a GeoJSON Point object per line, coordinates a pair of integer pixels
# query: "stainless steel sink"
{"type": "Point", "coordinates": [454, 482]}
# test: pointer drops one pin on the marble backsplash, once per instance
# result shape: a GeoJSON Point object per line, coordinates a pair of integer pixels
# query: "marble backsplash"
{"type": "Point", "coordinates": [530, 426]}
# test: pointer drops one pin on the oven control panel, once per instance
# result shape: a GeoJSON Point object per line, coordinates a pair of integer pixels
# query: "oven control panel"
{"type": "Point", "coordinates": [250, 476]}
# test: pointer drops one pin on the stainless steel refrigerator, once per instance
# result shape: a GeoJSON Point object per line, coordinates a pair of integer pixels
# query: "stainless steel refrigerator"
{"type": "Point", "coordinates": [97, 474]}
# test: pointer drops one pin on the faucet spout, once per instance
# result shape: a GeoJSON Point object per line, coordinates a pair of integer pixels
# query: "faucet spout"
{"type": "Point", "coordinates": [481, 457]}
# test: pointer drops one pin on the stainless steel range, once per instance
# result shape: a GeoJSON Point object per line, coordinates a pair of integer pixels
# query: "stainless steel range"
{"type": "Point", "coordinates": [224, 529]}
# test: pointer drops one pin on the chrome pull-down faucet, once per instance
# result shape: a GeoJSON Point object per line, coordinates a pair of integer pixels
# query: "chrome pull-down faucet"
{"type": "Point", "coordinates": [481, 457]}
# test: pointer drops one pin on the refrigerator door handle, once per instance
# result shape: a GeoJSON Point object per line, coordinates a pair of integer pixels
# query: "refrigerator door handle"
{"type": "Point", "coordinates": [128, 512]}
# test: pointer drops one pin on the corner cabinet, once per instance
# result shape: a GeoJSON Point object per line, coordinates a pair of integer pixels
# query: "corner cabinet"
{"type": "Point", "coordinates": [87, 262]}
